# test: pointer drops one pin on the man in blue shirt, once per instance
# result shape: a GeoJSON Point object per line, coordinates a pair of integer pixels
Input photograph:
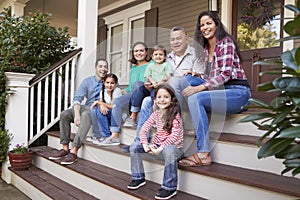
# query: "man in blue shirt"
{"type": "Point", "coordinates": [80, 114]}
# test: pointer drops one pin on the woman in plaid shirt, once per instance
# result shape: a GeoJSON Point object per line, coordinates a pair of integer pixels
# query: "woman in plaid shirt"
{"type": "Point", "coordinates": [225, 90]}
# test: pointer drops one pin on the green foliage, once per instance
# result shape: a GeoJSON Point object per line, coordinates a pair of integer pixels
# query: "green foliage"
{"type": "Point", "coordinates": [262, 37]}
{"type": "Point", "coordinates": [29, 44]}
{"type": "Point", "coordinates": [5, 139]}
{"type": "Point", "coordinates": [20, 149]}
{"type": "Point", "coordinates": [281, 119]}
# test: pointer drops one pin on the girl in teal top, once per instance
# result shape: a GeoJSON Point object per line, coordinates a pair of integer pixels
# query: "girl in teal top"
{"type": "Point", "coordinates": [140, 59]}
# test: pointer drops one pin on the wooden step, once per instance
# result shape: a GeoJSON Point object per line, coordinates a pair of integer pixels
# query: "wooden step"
{"type": "Point", "coordinates": [249, 177]}
{"type": "Point", "coordinates": [110, 177]}
{"type": "Point", "coordinates": [51, 186]}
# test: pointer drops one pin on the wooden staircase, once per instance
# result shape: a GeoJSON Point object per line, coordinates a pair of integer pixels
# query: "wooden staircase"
{"type": "Point", "coordinates": [104, 172]}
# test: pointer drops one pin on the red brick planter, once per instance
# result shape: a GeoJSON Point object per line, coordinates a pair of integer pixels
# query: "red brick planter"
{"type": "Point", "coordinates": [20, 161]}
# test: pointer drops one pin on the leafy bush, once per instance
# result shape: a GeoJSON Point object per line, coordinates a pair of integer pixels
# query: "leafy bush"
{"type": "Point", "coordinates": [5, 139]}
{"type": "Point", "coordinates": [281, 121]}
{"type": "Point", "coordinates": [29, 44]}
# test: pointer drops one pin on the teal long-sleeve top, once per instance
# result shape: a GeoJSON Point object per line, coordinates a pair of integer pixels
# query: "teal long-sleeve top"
{"type": "Point", "coordinates": [136, 73]}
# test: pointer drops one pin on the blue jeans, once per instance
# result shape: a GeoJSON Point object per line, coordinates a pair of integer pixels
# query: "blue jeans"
{"type": "Point", "coordinates": [227, 101]}
{"type": "Point", "coordinates": [121, 104]}
{"type": "Point", "coordinates": [145, 113]}
{"type": "Point", "coordinates": [137, 97]}
{"type": "Point", "coordinates": [171, 155]}
{"type": "Point", "coordinates": [106, 121]}
{"type": "Point", "coordinates": [180, 83]}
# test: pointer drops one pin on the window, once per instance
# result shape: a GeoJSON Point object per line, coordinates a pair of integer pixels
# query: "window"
{"type": "Point", "coordinates": [124, 29]}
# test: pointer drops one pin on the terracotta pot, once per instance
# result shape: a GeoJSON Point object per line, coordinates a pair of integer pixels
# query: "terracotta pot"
{"type": "Point", "coordinates": [20, 161]}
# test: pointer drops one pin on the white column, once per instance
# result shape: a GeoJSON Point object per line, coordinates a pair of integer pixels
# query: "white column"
{"type": "Point", "coordinates": [87, 37]}
{"type": "Point", "coordinates": [17, 6]}
{"type": "Point", "coordinates": [288, 15]}
{"type": "Point", "coordinates": [226, 14]}
{"type": "Point", "coordinates": [16, 117]}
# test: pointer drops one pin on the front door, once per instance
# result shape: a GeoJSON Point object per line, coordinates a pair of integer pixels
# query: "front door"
{"type": "Point", "coordinates": [258, 42]}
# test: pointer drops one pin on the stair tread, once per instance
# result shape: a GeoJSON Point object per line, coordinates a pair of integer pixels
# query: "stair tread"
{"type": "Point", "coordinates": [265, 180]}
{"type": "Point", "coordinates": [111, 177]}
{"type": "Point", "coordinates": [52, 186]}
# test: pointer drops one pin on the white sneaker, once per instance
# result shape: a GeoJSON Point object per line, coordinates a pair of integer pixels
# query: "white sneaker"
{"type": "Point", "coordinates": [109, 142]}
{"type": "Point", "coordinates": [99, 140]}
{"type": "Point", "coordinates": [129, 122]}
{"type": "Point", "coordinates": [91, 139]}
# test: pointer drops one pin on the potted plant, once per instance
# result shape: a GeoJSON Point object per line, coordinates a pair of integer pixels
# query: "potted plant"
{"type": "Point", "coordinates": [281, 119]}
{"type": "Point", "coordinates": [20, 157]}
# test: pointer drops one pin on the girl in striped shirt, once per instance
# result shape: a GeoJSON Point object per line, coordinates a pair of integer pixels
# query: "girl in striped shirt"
{"type": "Point", "coordinates": [167, 140]}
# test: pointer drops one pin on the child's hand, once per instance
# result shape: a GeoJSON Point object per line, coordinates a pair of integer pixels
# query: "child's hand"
{"type": "Point", "coordinates": [146, 148]}
{"type": "Point", "coordinates": [103, 110]}
{"type": "Point", "coordinates": [155, 150]}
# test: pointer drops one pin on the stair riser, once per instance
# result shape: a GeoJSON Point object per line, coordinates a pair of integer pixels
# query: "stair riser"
{"type": "Point", "coordinates": [80, 181]}
{"type": "Point", "coordinates": [202, 185]}
{"type": "Point", "coordinates": [244, 156]}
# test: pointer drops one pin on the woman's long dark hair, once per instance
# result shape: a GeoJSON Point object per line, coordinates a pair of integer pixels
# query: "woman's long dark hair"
{"type": "Point", "coordinates": [220, 32]}
{"type": "Point", "coordinates": [110, 75]}
{"type": "Point", "coordinates": [172, 110]}
{"type": "Point", "coordinates": [132, 59]}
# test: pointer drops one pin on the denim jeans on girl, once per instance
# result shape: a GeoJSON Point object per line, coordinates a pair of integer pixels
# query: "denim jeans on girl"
{"type": "Point", "coordinates": [229, 100]}
{"type": "Point", "coordinates": [106, 123]}
{"type": "Point", "coordinates": [171, 155]}
{"type": "Point", "coordinates": [121, 104]}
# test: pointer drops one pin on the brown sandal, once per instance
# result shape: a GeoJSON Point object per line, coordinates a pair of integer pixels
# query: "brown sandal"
{"type": "Point", "coordinates": [189, 162]}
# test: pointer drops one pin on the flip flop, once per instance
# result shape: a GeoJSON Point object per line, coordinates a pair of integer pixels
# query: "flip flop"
{"type": "Point", "coordinates": [188, 162]}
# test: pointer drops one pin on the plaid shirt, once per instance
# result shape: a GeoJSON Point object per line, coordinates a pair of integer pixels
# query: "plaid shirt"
{"type": "Point", "coordinates": [226, 64]}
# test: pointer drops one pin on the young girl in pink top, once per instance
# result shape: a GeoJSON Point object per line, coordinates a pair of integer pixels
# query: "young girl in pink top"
{"type": "Point", "coordinates": [167, 140]}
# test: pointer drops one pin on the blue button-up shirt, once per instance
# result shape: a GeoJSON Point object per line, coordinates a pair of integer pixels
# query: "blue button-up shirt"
{"type": "Point", "coordinates": [90, 89]}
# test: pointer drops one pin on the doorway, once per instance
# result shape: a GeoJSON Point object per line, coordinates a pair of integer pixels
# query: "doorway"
{"type": "Point", "coordinates": [258, 42]}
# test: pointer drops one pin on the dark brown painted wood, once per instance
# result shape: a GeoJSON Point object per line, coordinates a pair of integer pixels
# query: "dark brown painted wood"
{"type": "Point", "coordinates": [255, 178]}
{"type": "Point", "coordinates": [52, 186]}
{"type": "Point", "coordinates": [113, 178]}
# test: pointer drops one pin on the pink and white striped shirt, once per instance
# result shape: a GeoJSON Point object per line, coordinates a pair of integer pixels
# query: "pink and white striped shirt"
{"type": "Point", "coordinates": [162, 137]}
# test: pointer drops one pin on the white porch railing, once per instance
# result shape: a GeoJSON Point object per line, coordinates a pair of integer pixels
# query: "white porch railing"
{"type": "Point", "coordinates": [49, 94]}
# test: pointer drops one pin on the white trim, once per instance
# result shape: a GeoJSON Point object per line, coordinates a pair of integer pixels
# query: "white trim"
{"type": "Point", "coordinates": [128, 13]}
{"type": "Point", "coordinates": [226, 16]}
{"type": "Point", "coordinates": [288, 45]}
{"type": "Point", "coordinates": [125, 17]}
{"type": "Point", "coordinates": [114, 6]}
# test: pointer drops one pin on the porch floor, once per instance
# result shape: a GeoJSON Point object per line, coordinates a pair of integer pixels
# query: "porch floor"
{"type": "Point", "coordinates": [8, 191]}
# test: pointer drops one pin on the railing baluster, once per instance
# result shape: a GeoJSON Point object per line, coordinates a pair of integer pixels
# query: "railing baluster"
{"type": "Point", "coordinates": [74, 61]}
{"type": "Point", "coordinates": [53, 94]}
{"type": "Point", "coordinates": [38, 113]}
{"type": "Point", "coordinates": [67, 71]}
{"type": "Point", "coordinates": [46, 101]}
{"type": "Point", "coordinates": [59, 92]}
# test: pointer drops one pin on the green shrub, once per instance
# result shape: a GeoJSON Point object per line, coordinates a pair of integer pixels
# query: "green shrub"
{"type": "Point", "coordinates": [29, 44]}
{"type": "Point", "coordinates": [281, 121]}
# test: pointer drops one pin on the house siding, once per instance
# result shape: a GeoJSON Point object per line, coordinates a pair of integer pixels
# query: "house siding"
{"type": "Point", "coordinates": [182, 13]}
{"type": "Point", "coordinates": [297, 43]}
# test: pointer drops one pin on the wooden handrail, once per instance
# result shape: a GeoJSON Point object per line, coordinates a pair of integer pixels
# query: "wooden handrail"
{"type": "Point", "coordinates": [53, 67]}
